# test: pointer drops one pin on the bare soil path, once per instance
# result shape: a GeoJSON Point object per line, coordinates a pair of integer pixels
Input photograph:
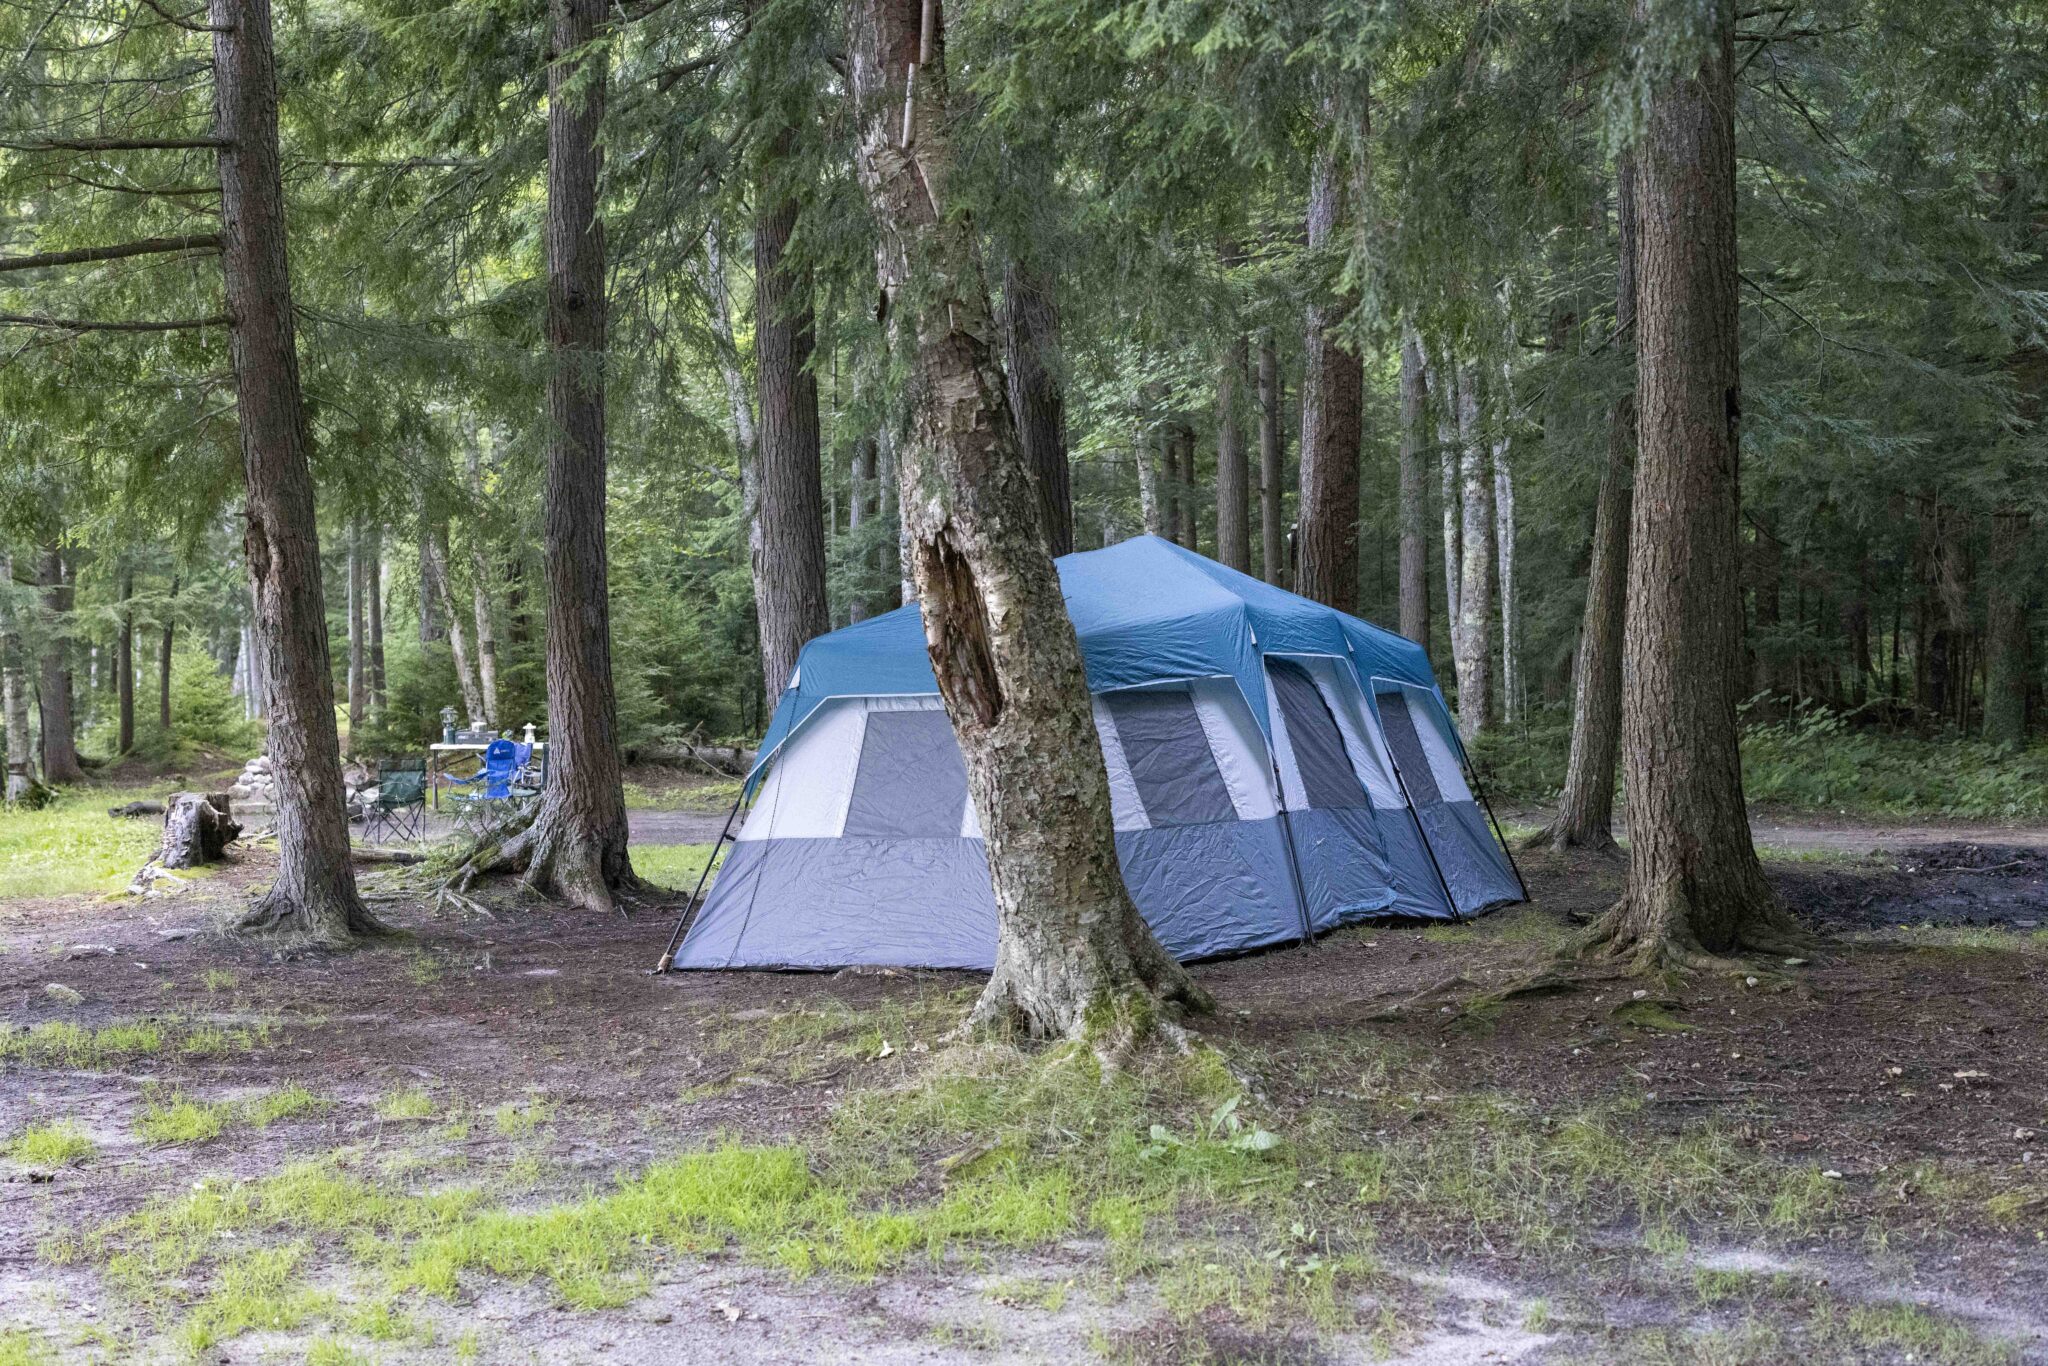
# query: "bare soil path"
{"type": "Point", "coordinates": [1835, 1161]}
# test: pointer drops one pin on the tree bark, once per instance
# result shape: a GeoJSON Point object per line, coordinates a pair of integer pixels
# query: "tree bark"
{"type": "Point", "coordinates": [1032, 364]}
{"type": "Point", "coordinates": [434, 583]}
{"type": "Point", "coordinates": [1442, 381]}
{"type": "Point", "coordinates": [124, 667]}
{"type": "Point", "coordinates": [1233, 475]}
{"type": "Point", "coordinates": [789, 568]}
{"type": "Point", "coordinates": [1504, 558]}
{"type": "Point", "coordinates": [1414, 563]}
{"type": "Point", "coordinates": [358, 645]}
{"type": "Point", "coordinates": [1695, 889]}
{"type": "Point", "coordinates": [575, 849]}
{"type": "Point", "coordinates": [1585, 808]}
{"type": "Point", "coordinates": [315, 890]}
{"type": "Point", "coordinates": [1072, 954]}
{"type": "Point", "coordinates": [2007, 673]}
{"type": "Point", "coordinates": [376, 588]}
{"type": "Point", "coordinates": [1473, 656]}
{"type": "Point", "coordinates": [1332, 416]}
{"type": "Point", "coordinates": [482, 611]}
{"type": "Point", "coordinates": [14, 689]}
{"type": "Point", "coordinates": [1184, 478]}
{"type": "Point", "coordinates": [1272, 467]}
{"type": "Point", "coordinates": [1155, 506]}
{"type": "Point", "coordinates": [60, 740]}
{"type": "Point", "coordinates": [163, 659]}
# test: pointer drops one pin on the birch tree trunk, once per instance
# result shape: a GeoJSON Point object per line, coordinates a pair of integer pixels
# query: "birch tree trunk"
{"type": "Point", "coordinates": [1031, 361]}
{"type": "Point", "coordinates": [315, 891]}
{"type": "Point", "coordinates": [1272, 467]}
{"type": "Point", "coordinates": [1233, 475]}
{"type": "Point", "coordinates": [1414, 563]}
{"type": "Point", "coordinates": [1585, 808]}
{"type": "Point", "coordinates": [358, 656]}
{"type": "Point", "coordinates": [1474, 653]}
{"type": "Point", "coordinates": [1148, 442]}
{"type": "Point", "coordinates": [1504, 550]}
{"type": "Point", "coordinates": [789, 566]}
{"type": "Point", "coordinates": [1442, 381]}
{"type": "Point", "coordinates": [1695, 888]}
{"type": "Point", "coordinates": [434, 576]}
{"type": "Point", "coordinates": [1072, 953]}
{"type": "Point", "coordinates": [482, 612]}
{"type": "Point", "coordinates": [376, 589]}
{"type": "Point", "coordinates": [575, 849]}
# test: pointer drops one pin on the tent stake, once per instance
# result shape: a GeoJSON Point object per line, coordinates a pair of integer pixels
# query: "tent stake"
{"type": "Point", "coordinates": [689, 915]}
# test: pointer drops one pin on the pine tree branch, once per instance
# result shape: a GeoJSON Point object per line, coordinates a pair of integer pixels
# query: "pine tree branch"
{"type": "Point", "coordinates": [148, 246]}
{"type": "Point", "coordinates": [93, 325]}
{"type": "Point", "coordinates": [117, 145]}
{"type": "Point", "coordinates": [185, 21]}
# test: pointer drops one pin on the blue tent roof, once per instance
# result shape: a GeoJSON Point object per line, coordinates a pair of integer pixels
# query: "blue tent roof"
{"type": "Point", "coordinates": [1146, 610]}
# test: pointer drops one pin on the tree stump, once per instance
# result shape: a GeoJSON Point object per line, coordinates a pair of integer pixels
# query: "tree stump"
{"type": "Point", "coordinates": [196, 830]}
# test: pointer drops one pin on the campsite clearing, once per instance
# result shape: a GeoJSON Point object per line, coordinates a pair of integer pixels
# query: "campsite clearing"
{"type": "Point", "coordinates": [502, 1138]}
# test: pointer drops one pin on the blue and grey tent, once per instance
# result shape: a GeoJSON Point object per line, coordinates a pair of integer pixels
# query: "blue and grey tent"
{"type": "Point", "coordinates": [1276, 769]}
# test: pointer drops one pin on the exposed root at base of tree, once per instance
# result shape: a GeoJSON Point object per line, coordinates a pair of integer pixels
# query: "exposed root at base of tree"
{"type": "Point", "coordinates": [1559, 838]}
{"type": "Point", "coordinates": [1114, 1007]}
{"type": "Point", "coordinates": [554, 864]}
{"type": "Point", "coordinates": [336, 925]}
{"type": "Point", "coordinates": [1656, 938]}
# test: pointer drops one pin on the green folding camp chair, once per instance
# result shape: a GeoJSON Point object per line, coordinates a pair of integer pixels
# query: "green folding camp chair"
{"type": "Point", "coordinates": [400, 810]}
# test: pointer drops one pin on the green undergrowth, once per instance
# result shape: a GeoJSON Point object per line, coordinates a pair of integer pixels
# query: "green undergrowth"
{"type": "Point", "coordinates": [177, 1118]}
{"type": "Point", "coordinates": [708, 797]}
{"type": "Point", "coordinates": [61, 1043]}
{"type": "Point", "coordinates": [74, 846]}
{"type": "Point", "coordinates": [1816, 760]}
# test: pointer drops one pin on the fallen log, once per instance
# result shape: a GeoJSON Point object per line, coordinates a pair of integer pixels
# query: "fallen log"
{"type": "Point", "coordinates": [132, 809]}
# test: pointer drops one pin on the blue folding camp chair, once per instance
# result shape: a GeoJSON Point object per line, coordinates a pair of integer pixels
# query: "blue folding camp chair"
{"type": "Point", "coordinates": [500, 785]}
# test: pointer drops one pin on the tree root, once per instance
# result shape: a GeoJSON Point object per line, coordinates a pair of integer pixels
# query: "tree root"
{"type": "Point", "coordinates": [1673, 951]}
{"type": "Point", "coordinates": [551, 865]}
{"type": "Point", "coordinates": [1558, 838]}
{"type": "Point", "coordinates": [282, 915]}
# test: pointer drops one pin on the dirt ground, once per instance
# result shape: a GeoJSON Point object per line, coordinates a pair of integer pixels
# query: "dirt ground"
{"type": "Point", "coordinates": [1901, 1075]}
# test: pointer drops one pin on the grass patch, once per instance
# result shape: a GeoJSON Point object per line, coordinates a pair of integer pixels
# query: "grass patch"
{"type": "Point", "coordinates": [675, 866]}
{"type": "Point", "coordinates": [59, 1043]}
{"type": "Point", "coordinates": [20, 1347]}
{"type": "Point", "coordinates": [683, 796]}
{"type": "Point", "coordinates": [74, 846]}
{"type": "Point", "coordinates": [517, 1119]}
{"type": "Point", "coordinates": [411, 1103]}
{"type": "Point", "coordinates": [180, 1119]}
{"type": "Point", "coordinates": [287, 1102]}
{"type": "Point", "coordinates": [58, 1144]}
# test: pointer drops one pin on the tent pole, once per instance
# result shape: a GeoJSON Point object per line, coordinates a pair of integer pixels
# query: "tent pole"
{"type": "Point", "coordinates": [1293, 859]}
{"type": "Point", "coordinates": [1421, 834]}
{"type": "Point", "coordinates": [689, 915]}
{"type": "Point", "coordinates": [1479, 789]}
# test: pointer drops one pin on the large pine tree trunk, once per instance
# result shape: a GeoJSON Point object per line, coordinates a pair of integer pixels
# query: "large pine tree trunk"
{"type": "Point", "coordinates": [1332, 416]}
{"type": "Point", "coordinates": [575, 848]}
{"type": "Point", "coordinates": [315, 891]}
{"type": "Point", "coordinates": [1474, 654]}
{"type": "Point", "coordinates": [60, 739]}
{"type": "Point", "coordinates": [124, 667]}
{"type": "Point", "coordinates": [1071, 950]}
{"type": "Point", "coordinates": [1272, 468]}
{"type": "Point", "coordinates": [1031, 362]}
{"type": "Point", "coordinates": [2006, 669]}
{"type": "Point", "coordinates": [1233, 473]}
{"type": "Point", "coordinates": [1585, 808]}
{"type": "Point", "coordinates": [1695, 887]}
{"type": "Point", "coordinates": [789, 566]}
{"type": "Point", "coordinates": [14, 690]}
{"type": "Point", "coordinates": [1414, 563]}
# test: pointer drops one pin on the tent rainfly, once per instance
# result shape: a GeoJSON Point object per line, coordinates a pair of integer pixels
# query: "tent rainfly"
{"type": "Point", "coordinates": [1276, 769]}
